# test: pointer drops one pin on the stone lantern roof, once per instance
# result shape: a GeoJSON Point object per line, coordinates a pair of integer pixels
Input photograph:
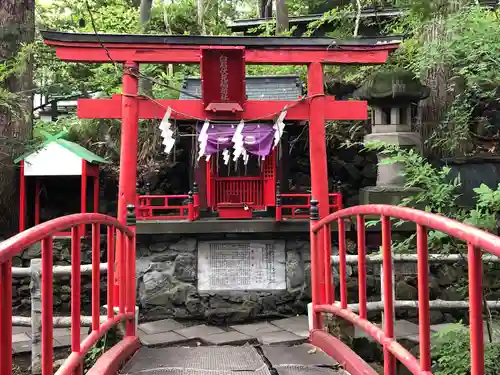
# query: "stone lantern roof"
{"type": "Point", "coordinates": [392, 88]}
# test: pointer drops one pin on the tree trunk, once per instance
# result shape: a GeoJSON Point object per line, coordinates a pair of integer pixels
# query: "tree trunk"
{"type": "Point", "coordinates": [433, 110]}
{"type": "Point", "coordinates": [145, 85]}
{"type": "Point", "coordinates": [266, 9]}
{"type": "Point", "coordinates": [281, 17]}
{"type": "Point", "coordinates": [201, 15]}
{"type": "Point", "coordinates": [17, 22]}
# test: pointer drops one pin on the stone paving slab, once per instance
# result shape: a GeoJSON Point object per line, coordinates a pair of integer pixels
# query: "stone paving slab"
{"type": "Point", "coordinates": [256, 329]}
{"type": "Point", "coordinates": [20, 337]}
{"type": "Point", "coordinates": [227, 338]}
{"type": "Point", "coordinates": [64, 341]}
{"type": "Point", "coordinates": [21, 347]}
{"type": "Point", "coordinates": [160, 326]}
{"type": "Point", "coordinates": [197, 332]}
{"type": "Point", "coordinates": [162, 338]}
{"type": "Point", "coordinates": [280, 338]}
{"type": "Point", "coordinates": [298, 325]}
{"type": "Point", "coordinates": [17, 329]}
{"type": "Point", "coordinates": [305, 355]}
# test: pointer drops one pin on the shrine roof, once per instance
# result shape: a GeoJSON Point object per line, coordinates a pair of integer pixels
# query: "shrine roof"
{"type": "Point", "coordinates": [391, 42]}
{"type": "Point", "coordinates": [72, 147]}
{"type": "Point", "coordinates": [283, 87]}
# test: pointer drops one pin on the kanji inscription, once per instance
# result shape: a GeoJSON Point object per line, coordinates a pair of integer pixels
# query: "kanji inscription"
{"type": "Point", "coordinates": [239, 265]}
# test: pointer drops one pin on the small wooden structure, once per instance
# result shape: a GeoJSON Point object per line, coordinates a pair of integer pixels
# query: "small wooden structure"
{"type": "Point", "coordinates": [57, 157]}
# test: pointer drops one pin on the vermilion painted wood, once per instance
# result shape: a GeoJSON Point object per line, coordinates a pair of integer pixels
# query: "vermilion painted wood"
{"type": "Point", "coordinates": [131, 297]}
{"type": "Point", "coordinates": [327, 266]}
{"type": "Point", "coordinates": [128, 161]}
{"type": "Point", "coordinates": [75, 294]}
{"type": "Point", "coordinates": [317, 155]}
{"type": "Point", "coordinates": [476, 239]}
{"type": "Point", "coordinates": [389, 360]}
{"type": "Point", "coordinates": [44, 232]}
{"type": "Point", "coordinates": [128, 143]}
{"type": "Point", "coordinates": [6, 318]}
{"type": "Point", "coordinates": [47, 306]}
{"type": "Point", "coordinates": [111, 270]}
{"type": "Point", "coordinates": [14, 245]}
{"type": "Point", "coordinates": [360, 228]}
{"type": "Point", "coordinates": [256, 110]}
{"type": "Point", "coordinates": [96, 275]}
{"type": "Point", "coordinates": [87, 52]}
{"type": "Point", "coordinates": [342, 263]}
{"type": "Point", "coordinates": [339, 351]}
{"type": "Point", "coordinates": [403, 355]}
{"type": "Point", "coordinates": [113, 360]}
{"type": "Point", "coordinates": [476, 309]}
{"type": "Point", "coordinates": [316, 276]}
{"type": "Point", "coordinates": [75, 359]}
{"type": "Point", "coordinates": [423, 299]}
{"type": "Point", "coordinates": [22, 197]}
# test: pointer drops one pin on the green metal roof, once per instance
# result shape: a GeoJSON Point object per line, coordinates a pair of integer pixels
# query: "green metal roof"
{"type": "Point", "coordinates": [76, 149]}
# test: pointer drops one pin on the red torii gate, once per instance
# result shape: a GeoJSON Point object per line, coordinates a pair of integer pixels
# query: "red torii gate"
{"type": "Point", "coordinates": [228, 103]}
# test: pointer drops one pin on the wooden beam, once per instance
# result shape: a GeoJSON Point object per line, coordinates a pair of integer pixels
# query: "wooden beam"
{"type": "Point", "coordinates": [176, 55]}
{"type": "Point", "coordinates": [194, 109]}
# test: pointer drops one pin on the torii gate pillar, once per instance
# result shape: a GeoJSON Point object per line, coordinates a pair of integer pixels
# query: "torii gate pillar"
{"type": "Point", "coordinates": [317, 156]}
{"type": "Point", "coordinates": [129, 135]}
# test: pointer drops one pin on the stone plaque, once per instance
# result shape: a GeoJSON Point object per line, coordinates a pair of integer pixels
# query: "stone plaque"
{"type": "Point", "coordinates": [241, 265]}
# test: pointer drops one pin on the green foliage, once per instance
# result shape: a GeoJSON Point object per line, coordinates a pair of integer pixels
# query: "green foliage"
{"type": "Point", "coordinates": [450, 351]}
{"type": "Point", "coordinates": [438, 193]}
{"type": "Point", "coordinates": [99, 348]}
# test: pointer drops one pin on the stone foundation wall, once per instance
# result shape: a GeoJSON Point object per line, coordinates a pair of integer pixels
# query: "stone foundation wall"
{"type": "Point", "coordinates": [167, 282]}
{"type": "Point", "coordinates": [167, 285]}
{"type": "Point", "coordinates": [21, 302]}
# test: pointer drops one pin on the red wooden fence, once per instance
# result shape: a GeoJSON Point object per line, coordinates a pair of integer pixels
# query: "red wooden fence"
{"type": "Point", "coordinates": [323, 298]}
{"type": "Point", "coordinates": [120, 288]}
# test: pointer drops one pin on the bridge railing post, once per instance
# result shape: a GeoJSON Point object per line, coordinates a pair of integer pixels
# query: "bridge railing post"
{"type": "Point", "coordinates": [131, 325]}
{"type": "Point", "coordinates": [36, 316]}
{"type": "Point", "coordinates": [315, 321]}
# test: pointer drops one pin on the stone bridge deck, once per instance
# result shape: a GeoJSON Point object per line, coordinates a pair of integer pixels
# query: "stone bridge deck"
{"type": "Point", "coordinates": [303, 359]}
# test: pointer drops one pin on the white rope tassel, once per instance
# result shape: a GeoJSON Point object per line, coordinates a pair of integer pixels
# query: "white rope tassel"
{"type": "Point", "coordinates": [279, 126]}
{"type": "Point", "coordinates": [238, 141]}
{"type": "Point", "coordinates": [166, 132]}
{"type": "Point", "coordinates": [203, 139]}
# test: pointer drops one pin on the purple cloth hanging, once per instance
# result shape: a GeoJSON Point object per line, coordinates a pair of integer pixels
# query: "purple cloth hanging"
{"type": "Point", "coordinates": [257, 138]}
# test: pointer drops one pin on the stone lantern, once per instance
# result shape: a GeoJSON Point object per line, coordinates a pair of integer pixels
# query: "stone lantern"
{"type": "Point", "coordinates": [391, 96]}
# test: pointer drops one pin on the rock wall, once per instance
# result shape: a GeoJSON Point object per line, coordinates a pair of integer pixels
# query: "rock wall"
{"type": "Point", "coordinates": [167, 283]}
{"type": "Point", "coordinates": [167, 273]}
{"type": "Point", "coordinates": [21, 302]}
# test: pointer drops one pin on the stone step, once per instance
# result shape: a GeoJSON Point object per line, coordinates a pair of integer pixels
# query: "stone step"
{"type": "Point", "coordinates": [288, 331]}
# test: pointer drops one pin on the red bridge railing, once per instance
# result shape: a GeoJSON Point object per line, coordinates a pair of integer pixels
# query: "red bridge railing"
{"type": "Point", "coordinates": [323, 298]}
{"type": "Point", "coordinates": [120, 291]}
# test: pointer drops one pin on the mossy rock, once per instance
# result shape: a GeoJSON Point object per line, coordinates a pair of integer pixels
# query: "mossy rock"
{"type": "Point", "coordinates": [392, 87]}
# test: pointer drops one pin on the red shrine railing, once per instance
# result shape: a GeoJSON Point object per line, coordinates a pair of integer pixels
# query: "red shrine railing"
{"type": "Point", "coordinates": [168, 207]}
{"type": "Point", "coordinates": [228, 191]}
{"type": "Point", "coordinates": [120, 291]}
{"type": "Point", "coordinates": [323, 297]}
{"type": "Point", "coordinates": [288, 208]}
